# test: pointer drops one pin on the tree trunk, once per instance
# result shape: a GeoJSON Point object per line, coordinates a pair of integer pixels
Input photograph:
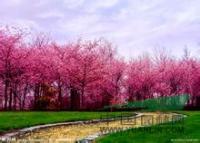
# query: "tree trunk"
{"type": "Point", "coordinates": [24, 98]}
{"type": "Point", "coordinates": [10, 98]}
{"type": "Point", "coordinates": [6, 94]}
{"type": "Point", "coordinates": [15, 99]}
{"type": "Point", "coordinates": [82, 104]}
{"type": "Point", "coordinates": [60, 97]}
{"type": "Point", "coordinates": [36, 94]}
{"type": "Point", "coordinates": [75, 99]}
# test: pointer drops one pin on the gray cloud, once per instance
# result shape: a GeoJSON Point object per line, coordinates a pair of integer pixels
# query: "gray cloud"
{"type": "Point", "coordinates": [134, 26]}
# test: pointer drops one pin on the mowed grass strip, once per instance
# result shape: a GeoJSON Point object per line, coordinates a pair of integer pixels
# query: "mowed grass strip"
{"type": "Point", "coordinates": [15, 120]}
{"type": "Point", "coordinates": [186, 131]}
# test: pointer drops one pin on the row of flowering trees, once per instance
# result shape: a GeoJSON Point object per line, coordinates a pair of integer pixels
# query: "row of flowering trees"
{"type": "Point", "coordinates": [164, 76]}
{"type": "Point", "coordinates": [80, 75]}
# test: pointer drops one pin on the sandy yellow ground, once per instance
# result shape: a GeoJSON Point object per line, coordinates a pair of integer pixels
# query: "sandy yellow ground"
{"type": "Point", "coordinates": [71, 133]}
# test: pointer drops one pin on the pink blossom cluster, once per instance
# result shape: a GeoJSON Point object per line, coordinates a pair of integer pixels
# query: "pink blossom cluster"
{"type": "Point", "coordinates": [42, 74]}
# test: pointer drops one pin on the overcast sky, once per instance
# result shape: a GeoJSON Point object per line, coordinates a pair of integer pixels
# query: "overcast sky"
{"type": "Point", "coordinates": [134, 26]}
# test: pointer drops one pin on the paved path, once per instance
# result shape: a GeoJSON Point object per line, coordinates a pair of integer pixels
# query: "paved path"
{"type": "Point", "coordinates": [88, 131]}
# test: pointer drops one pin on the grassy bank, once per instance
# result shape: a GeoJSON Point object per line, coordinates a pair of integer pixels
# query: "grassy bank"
{"type": "Point", "coordinates": [16, 120]}
{"type": "Point", "coordinates": [186, 131]}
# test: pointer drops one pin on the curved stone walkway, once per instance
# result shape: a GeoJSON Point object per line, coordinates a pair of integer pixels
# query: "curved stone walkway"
{"type": "Point", "coordinates": [87, 131]}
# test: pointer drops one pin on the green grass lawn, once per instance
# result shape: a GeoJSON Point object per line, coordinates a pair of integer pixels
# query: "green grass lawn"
{"type": "Point", "coordinates": [171, 133]}
{"type": "Point", "coordinates": [16, 120]}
